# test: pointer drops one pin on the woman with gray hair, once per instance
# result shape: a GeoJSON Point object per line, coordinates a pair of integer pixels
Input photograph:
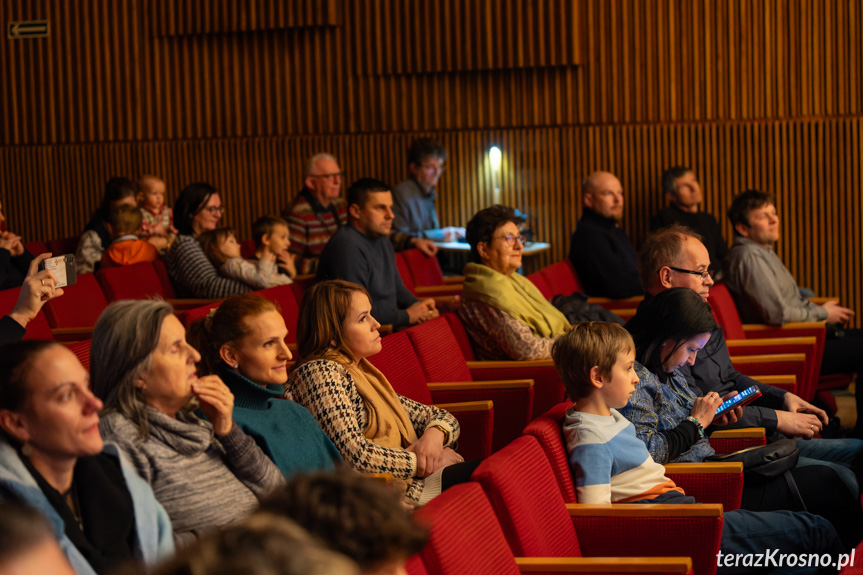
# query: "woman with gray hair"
{"type": "Point", "coordinates": [206, 473]}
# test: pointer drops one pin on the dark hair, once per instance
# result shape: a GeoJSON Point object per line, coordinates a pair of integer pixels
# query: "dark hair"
{"type": "Point", "coordinates": [351, 514]}
{"type": "Point", "coordinates": [116, 189]}
{"type": "Point", "coordinates": [16, 359]}
{"type": "Point", "coordinates": [661, 248]}
{"type": "Point", "coordinates": [668, 178]}
{"type": "Point", "coordinates": [210, 241]}
{"type": "Point", "coordinates": [192, 199]}
{"type": "Point", "coordinates": [745, 202]}
{"type": "Point", "coordinates": [676, 314]}
{"type": "Point", "coordinates": [359, 191]}
{"type": "Point", "coordinates": [264, 226]}
{"type": "Point", "coordinates": [21, 529]}
{"type": "Point", "coordinates": [484, 223]}
{"type": "Point", "coordinates": [124, 338]}
{"type": "Point", "coordinates": [588, 344]}
{"type": "Point", "coordinates": [422, 148]}
{"type": "Point", "coordinates": [125, 220]}
{"type": "Point", "coordinates": [322, 313]}
{"type": "Point", "coordinates": [228, 323]}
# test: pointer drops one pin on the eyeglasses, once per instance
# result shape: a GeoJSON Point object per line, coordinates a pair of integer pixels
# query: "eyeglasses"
{"type": "Point", "coordinates": [331, 177]}
{"type": "Point", "coordinates": [214, 210]}
{"type": "Point", "coordinates": [432, 167]}
{"type": "Point", "coordinates": [510, 239]}
{"type": "Point", "coordinates": [704, 275]}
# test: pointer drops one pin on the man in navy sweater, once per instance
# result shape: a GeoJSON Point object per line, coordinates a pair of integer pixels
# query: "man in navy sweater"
{"type": "Point", "coordinates": [361, 252]}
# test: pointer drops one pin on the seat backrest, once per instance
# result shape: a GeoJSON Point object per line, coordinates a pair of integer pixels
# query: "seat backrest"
{"type": "Point", "coordinates": [187, 316]}
{"type": "Point", "coordinates": [547, 429]}
{"type": "Point", "coordinates": [415, 566]}
{"type": "Point", "coordinates": [38, 328]}
{"type": "Point", "coordinates": [438, 351]}
{"type": "Point", "coordinates": [137, 281]}
{"type": "Point", "coordinates": [520, 484]}
{"type": "Point", "coordinates": [399, 362]}
{"type": "Point", "coordinates": [725, 311]}
{"type": "Point", "coordinates": [405, 271]}
{"type": "Point", "coordinates": [461, 336]}
{"type": "Point", "coordinates": [79, 306]}
{"type": "Point", "coordinates": [164, 278]}
{"type": "Point", "coordinates": [561, 278]}
{"type": "Point", "coordinates": [36, 248]}
{"type": "Point", "coordinates": [247, 248]}
{"type": "Point", "coordinates": [464, 535]}
{"type": "Point", "coordinates": [424, 270]}
{"type": "Point", "coordinates": [284, 296]}
{"type": "Point", "coordinates": [538, 280]}
{"type": "Point", "coordinates": [62, 246]}
{"type": "Point", "coordinates": [81, 349]}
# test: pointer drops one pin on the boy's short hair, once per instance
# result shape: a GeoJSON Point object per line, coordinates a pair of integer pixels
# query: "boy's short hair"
{"type": "Point", "coordinates": [264, 226]}
{"type": "Point", "coordinates": [588, 344]}
{"type": "Point", "coordinates": [745, 202]}
{"type": "Point", "coordinates": [125, 220]}
{"type": "Point", "coordinates": [210, 244]}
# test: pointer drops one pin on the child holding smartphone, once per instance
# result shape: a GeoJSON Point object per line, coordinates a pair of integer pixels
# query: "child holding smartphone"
{"type": "Point", "coordinates": [223, 250]}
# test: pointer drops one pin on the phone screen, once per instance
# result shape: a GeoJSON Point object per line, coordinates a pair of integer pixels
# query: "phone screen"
{"type": "Point", "coordinates": [746, 395]}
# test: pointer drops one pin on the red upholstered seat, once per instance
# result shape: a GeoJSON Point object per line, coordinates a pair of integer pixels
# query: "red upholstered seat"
{"type": "Point", "coordinates": [539, 281]}
{"type": "Point", "coordinates": [188, 316]}
{"type": "Point", "coordinates": [79, 306]}
{"type": "Point", "coordinates": [247, 248]}
{"type": "Point", "coordinates": [415, 566]}
{"type": "Point", "coordinates": [137, 281]}
{"type": "Point", "coordinates": [290, 309]}
{"type": "Point", "coordinates": [561, 278]}
{"type": "Point", "coordinates": [36, 248]}
{"type": "Point", "coordinates": [62, 246]}
{"type": "Point", "coordinates": [164, 278]}
{"type": "Point", "coordinates": [519, 483]}
{"type": "Point", "coordinates": [442, 362]}
{"type": "Point", "coordinates": [81, 349]}
{"type": "Point", "coordinates": [398, 361]}
{"type": "Point", "coordinates": [425, 270]}
{"type": "Point", "coordinates": [36, 329]}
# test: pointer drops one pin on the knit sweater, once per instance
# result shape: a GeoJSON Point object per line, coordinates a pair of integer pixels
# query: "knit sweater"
{"type": "Point", "coordinates": [284, 430]}
{"type": "Point", "coordinates": [310, 226]}
{"type": "Point", "coordinates": [204, 482]}
{"type": "Point", "coordinates": [194, 276]}
{"type": "Point", "coordinates": [327, 390]}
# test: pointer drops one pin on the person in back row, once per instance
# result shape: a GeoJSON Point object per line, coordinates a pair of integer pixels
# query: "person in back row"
{"type": "Point", "coordinates": [610, 464]}
{"type": "Point", "coordinates": [96, 236]}
{"type": "Point", "coordinates": [414, 199]}
{"type": "Point", "coordinates": [600, 251]}
{"type": "Point", "coordinates": [126, 249]}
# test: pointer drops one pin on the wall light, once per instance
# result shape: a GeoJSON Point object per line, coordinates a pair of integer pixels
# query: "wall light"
{"type": "Point", "coordinates": [494, 156]}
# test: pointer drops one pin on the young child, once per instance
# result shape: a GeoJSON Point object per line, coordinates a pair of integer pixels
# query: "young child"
{"type": "Point", "coordinates": [611, 465]}
{"type": "Point", "coordinates": [271, 237]}
{"type": "Point", "coordinates": [126, 248]}
{"type": "Point", "coordinates": [223, 250]}
{"type": "Point", "coordinates": [157, 216]}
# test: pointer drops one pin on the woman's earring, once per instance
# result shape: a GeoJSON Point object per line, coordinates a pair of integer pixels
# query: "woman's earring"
{"type": "Point", "coordinates": [236, 365]}
{"type": "Point", "coordinates": [26, 450]}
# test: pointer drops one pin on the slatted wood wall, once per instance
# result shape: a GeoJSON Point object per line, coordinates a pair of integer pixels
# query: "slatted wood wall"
{"type": "Point", "coordinates": [751, 93]}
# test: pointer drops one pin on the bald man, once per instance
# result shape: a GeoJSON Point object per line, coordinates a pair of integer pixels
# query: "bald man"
{"type": "Point", "coordinates": [599, 249]}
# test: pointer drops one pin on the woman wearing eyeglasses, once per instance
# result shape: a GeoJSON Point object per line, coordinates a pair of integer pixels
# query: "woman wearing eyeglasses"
{"type": "Point", "coordinates": [198, 209]}
{"type": "Point", "coordinates": [505, 315]}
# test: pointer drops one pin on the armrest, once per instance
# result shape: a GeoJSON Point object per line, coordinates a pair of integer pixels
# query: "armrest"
{"type": "Point", "coordinates": [741, 433]}
{"type": "Point", "coordinates": [465, 406]}
{"type": "Point", "coordinates": [618, 510]}
{"type": "Point", "coordinates": [71, 334]}
{"type": "Point", "coordinates": [772, 341]}
{"type": "Point", "coordinates": [439, 290]}
{"type": "Point", "coordinates": [385, 329]}
{"type": "Point", "coordinates": [705, 467]}
{"type": "Point", "coordinates": [607, 301]}
{"type": "Point", "coordinates": [453, 279]}
{"type": "Point", "coordinates": [823, 300]}
{"type": "Point", "coordinates": [681, 565]}
{"type": "Point", "coordinates": [385, 478]}
{"type": "Point", "coordinates": [304, 277]}
{"type": "Point", "coordinates": [510, 364]}
{"type": "Point", "coordinates": [792, 326]}
{"type": "Point", "coordinates": [481, 385]}
{"type": "Point", "coordinates": [192, 303]}
{"type": "Point", "coordinates": [770, 358]}
{"type": "Point", "coordinates": [786, 382]}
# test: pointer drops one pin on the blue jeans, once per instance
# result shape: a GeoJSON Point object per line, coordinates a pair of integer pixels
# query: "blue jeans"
{"type": "Point", "coordinates": [844, 456]}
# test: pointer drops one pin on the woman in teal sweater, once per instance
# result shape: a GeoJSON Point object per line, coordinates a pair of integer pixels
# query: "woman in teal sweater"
{"type": "Point", "coordinates": [243, 342]}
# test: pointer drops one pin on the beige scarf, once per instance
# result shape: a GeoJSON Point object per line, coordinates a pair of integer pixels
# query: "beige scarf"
{"type": "Point", "coordinates": [388, 422]}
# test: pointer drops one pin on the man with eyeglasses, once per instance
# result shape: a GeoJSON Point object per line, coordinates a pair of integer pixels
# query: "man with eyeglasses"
{"type": "Point", "coordinates": [676, 257]}
{"type": "Point", "coordinates": [414, 199]}
{"type": "Point", "coordinates": [600, 251]}
{"type": "Point", "coordinates": [684, 195]}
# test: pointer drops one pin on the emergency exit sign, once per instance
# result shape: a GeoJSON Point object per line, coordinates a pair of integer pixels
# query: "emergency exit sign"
{"type": "Point", "coordinates": [27, 29]}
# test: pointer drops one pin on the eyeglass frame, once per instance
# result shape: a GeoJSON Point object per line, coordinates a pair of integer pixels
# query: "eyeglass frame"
{"type": "Point", "coordinates": [213, 210]}
{"type": "Point", "coordinates": [510, 239]}
{"type": "Point", "coordinates": [332, 176]}
{"type": "Point", "coordinates": [704, 275]}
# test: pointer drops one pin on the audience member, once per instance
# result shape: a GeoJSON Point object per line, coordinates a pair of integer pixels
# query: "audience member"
{"type": "Point", "coordinates": [206, 473]}
{"type": "Point", "coordinates": [684, 196]}
{"type": "Point", "coordinates": [197, 210]}
{"type": "Point", "coordinates": [271, 237]}
{"type": "Point", "coordinates": [14, 257]}
{"type": "Point", "coordinates": [352, 515]}
{"type": "Point", "coordinates": [600, 251]}
{"type": "Point", "coordinates": [317, 212]}
{"type": "Point", "coordinates": [765, 291]}
{"type": "Point", "coordinates": [52, 457]}
{"type": "Point", "coordinates": [675, 257]}
{"type": "Point", "coordinates": [97, 236]}
{"type": "Point", "coordinates": [610, 464]}
{"type": "Point", "coordinates": [158, 219]}
{"type": "Point", "coordinates": [243, 342]}
{"type": "Point", "coordinates": [263, 544]}
{"type": "Point", "coordinates": [126, 249]}
{"type": "Point", "coordinates": [375, 429]}
{"type": "Point", "coordinates": [38, 288]}
{"type": "Point", "coordinates": [27, 543]}
{"type": "Point", "coordinates": [670, 418]}
{"type": "Point", "coordinates": [223, 250]}
{"type": "Point", "coordinates": [361, 253]}
{"type": "Point", "coordinates": [414, 199]}
{"type": "Point", "coordinates": [504, 314]}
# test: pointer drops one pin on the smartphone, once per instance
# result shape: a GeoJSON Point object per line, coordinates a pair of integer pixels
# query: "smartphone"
{"type": "Point", "coordinates": [746, 396]}
{"type": "Point", "coordinates": [63, 268]}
